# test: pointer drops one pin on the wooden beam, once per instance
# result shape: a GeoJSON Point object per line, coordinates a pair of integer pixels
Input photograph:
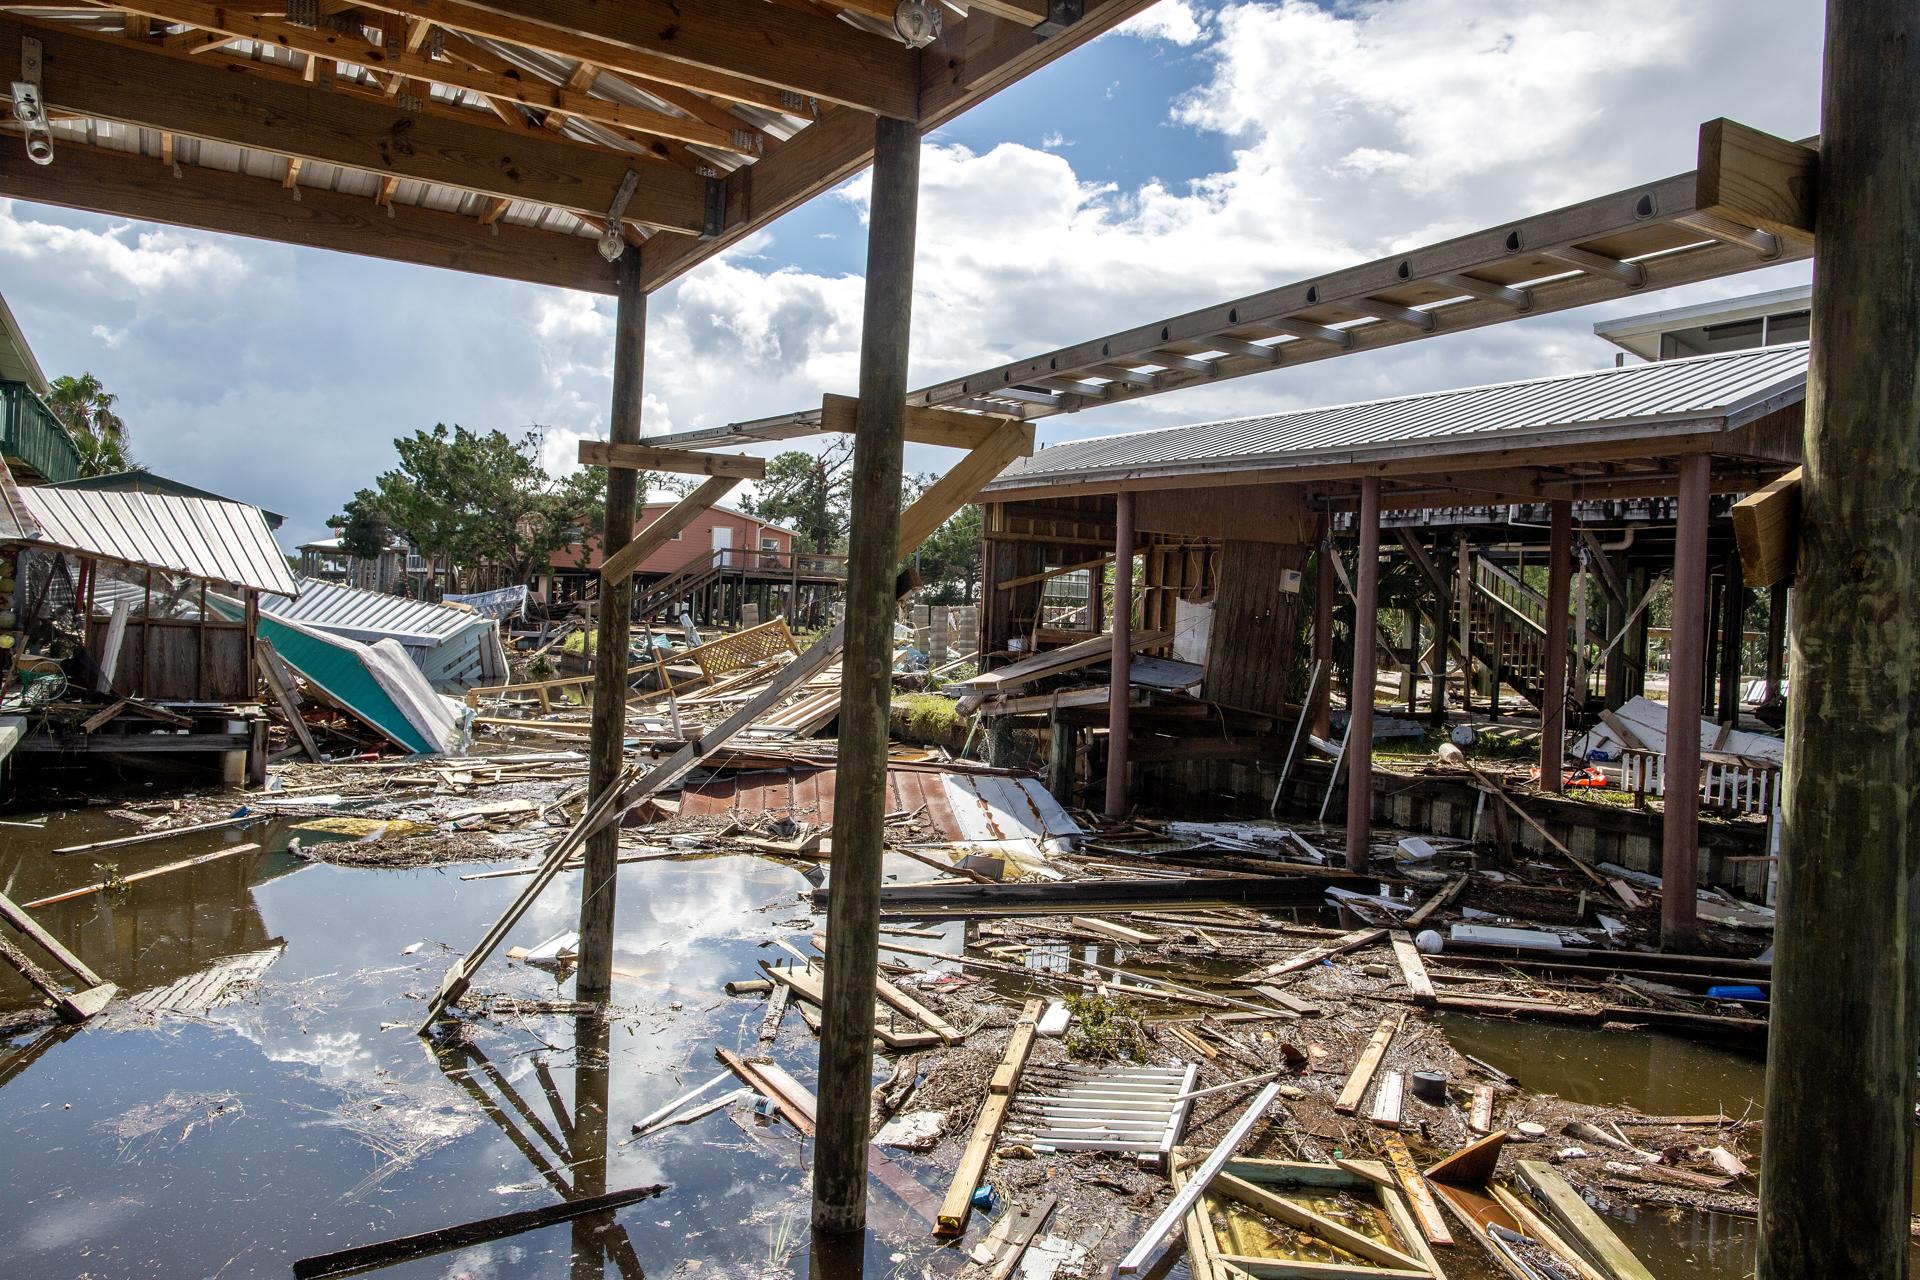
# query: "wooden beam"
{"type": "Point", "coordinates": [640, 457]}
{"type": "Point", "coordinates": [1766, 525]}
{"type": "Point", "coordinates": [115, 80]}
{"type": "Point", "coordinates": [128, 186]}
{"type": "Point", "coordinates": [959, 486]}
{"type": "Point", "coordinates": [1369, 1062]}
{"type": "Point", "coordinates": [622, 563]}
{"type": "Point", "coordinates": [958, 1204]}
{"type": "Point", "coordinates": [950, 428]}
{"type": "Point", "coordinates": [802, 53]}
{"type": "Point", "coordinates": [1756, 180]}
{"type": "Point", "coordinates": [1571, 1214]}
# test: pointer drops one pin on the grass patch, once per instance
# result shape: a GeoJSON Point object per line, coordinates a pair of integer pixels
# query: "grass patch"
{"type": "Point", "coordinates": [1103, 1030]}
{"type": "Point", "coordinates": [928, 715]}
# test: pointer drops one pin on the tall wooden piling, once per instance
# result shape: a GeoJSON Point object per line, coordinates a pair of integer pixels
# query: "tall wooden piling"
{"type": "Point", "coordinates": [1120, 683]}
{"type": "Point", "coordinates": [860, 780]}
{"type": "Point", "coordinates": [1366, 618]}
{"type": "Point", "coordinates": [1835, 1181]}
{"type": "Point", "coordinates": [1553, 684]}
{"type": "Point", "coordinates": [615, 622]}
{"type": "Point", "coordinates": [1323, 625]}
{"type": "Point", "coordinates": [1680, 825]}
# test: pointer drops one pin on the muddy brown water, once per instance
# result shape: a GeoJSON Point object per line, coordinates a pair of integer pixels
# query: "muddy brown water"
{"type": "Point", "coordinates": [307, 1117]}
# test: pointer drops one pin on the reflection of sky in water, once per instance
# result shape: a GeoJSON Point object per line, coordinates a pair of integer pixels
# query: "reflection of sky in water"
{"type": "Point", "coordinates": [336, 1124]}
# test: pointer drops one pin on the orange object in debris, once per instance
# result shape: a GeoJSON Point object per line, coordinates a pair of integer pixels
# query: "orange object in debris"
{"type": "Point", "coordinates": [1587, 777]}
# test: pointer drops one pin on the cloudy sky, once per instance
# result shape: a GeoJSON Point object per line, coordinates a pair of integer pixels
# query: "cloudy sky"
{"type": "Point", "coordinates": [1202, 152]}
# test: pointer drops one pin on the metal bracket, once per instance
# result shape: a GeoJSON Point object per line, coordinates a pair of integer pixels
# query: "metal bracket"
{"type": "Point", "coordinates": [716, 219]}
{"type": "Point", "coordinates": [1061, 14]}
{"type": "Point", "coordinates": [613, 242]}
{"type": "Point", "coordinates": [29, 109]}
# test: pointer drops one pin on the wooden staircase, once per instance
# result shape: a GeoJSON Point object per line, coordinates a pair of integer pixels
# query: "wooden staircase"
{"type": "Point", "coordinates": [1508, 631]}
{"type": "Point", "coordinates": [678, 585]}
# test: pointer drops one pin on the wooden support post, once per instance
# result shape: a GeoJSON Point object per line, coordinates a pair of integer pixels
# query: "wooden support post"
{"type": "Point", "coordinates": [1776, 640]}
{"type": "Point", "coordinates": [1463, 609]}
{"type": "Point", "coordinates": [1366, 618]}
{"type": "Point", "coordinates": [1680, 830]}
{"type": "Point", "coordinates": [1553, 684]}
{"type": "Point", "coordinates": [604, 749]}
{"type": "Point", "coordinates": [1437, 707]}
{"type": "Point", "coordinates": [860, 787]}
{"type": "Point", "coordinates": [1119, 685]}
{"type": "Point", "coordinates": [1733, 631]}
{"type": "Point", "coordinates": [1323, 625]}
{"type": "Point", "coordinates": [1836, 1166]}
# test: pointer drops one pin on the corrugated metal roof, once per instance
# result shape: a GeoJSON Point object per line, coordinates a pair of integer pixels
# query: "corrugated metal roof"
{"type": "Point", "coordinates": [1731, 388]}
{"type": "Point", "coordinates": [226, 542]}
{"type": "Point", "coordinates": [371, 615]}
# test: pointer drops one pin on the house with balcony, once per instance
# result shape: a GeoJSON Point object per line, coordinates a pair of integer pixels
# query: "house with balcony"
{"type": "Point", "coordinates": [37, 447]}
{"type": "Point", "coordinates": [723, 561]}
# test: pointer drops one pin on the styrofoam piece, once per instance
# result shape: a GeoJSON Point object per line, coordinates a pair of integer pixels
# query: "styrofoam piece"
{"type": "Point", "coordinates": [1488, 935]}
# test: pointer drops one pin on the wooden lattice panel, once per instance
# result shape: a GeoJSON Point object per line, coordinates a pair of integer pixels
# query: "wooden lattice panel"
{"type": "Point", "coordinates": [748, 648]}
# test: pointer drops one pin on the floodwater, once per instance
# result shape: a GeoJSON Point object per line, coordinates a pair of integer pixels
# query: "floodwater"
{"type": "Point", "coordinates": [307, 1117]}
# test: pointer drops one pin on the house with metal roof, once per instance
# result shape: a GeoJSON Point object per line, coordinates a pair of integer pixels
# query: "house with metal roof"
{"type": "Point", "coordinates": [1464, 514]}
{"type": "Point", "coordinates": [141, 480]}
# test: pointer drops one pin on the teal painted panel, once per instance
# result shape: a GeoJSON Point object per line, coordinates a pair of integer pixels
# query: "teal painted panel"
{"type": "Point", "coordinates": [336, 667]}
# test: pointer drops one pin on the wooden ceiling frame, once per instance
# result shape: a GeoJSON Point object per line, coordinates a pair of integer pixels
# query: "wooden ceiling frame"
{"type": "Point", "coordinates": [527, 115]}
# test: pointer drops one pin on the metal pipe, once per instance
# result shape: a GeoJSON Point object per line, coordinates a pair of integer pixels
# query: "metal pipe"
{"type": "Point", "coordinates": [1323, 625]}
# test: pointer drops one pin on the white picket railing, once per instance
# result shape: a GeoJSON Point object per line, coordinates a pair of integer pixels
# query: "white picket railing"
{"type": "Point", "coordinates": [1727, 783]}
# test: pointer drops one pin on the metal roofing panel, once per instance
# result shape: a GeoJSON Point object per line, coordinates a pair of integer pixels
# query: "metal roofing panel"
{"type": "Point", "coordinates": [226, 542]}
{"type": "Point", "coordinates": [372, 615]}
{"type": "Point", "coordinates": [1720, 386]}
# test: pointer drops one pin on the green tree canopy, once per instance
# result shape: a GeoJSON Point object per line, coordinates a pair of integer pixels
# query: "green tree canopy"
{"type": "Point", "coordinates": [85, 407]}
{"type": "Point", "coordinates": [476, 499]}
{"type": "Point", "coordinates": [807, 492]}
{"type": "Point", "coordinates": [949, 560]}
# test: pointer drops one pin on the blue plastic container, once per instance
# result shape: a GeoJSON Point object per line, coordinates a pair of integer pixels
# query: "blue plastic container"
{"type": "Point", "coordinates": [1737, 991]}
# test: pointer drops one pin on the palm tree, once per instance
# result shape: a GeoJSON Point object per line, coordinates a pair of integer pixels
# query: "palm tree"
{"type": "Point", "coordinates": [85, 407]}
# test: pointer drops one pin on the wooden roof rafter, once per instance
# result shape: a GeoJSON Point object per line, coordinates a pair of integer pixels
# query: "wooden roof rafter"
{"type": "Point", "coordinates": [1750, 189]}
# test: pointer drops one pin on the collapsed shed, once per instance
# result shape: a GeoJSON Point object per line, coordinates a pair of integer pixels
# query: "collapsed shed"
{"type": "Point", "coordinates": [114, 635]}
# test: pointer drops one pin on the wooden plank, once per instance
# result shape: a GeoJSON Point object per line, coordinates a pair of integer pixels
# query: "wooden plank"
{"type": "Point", "coordinates": [146, 837]}
{"type": "Point", "coordinates": [1029, 579]}
{"type": "Point", "coordinates": [640, 457]}
{"type": "Point", "coordinates": [1419, 1195]}
{"type": "Point", "coordinates": [1535, 1227]}
{"type": "Point", "coordinates": [796, 51]}
{"type": "Point", "coordinates": [1306, 959]}
{"type": "Point", "coordinates": [19, 919]}
{"type": "Point", "coordinates": [1025, 1223]}
{"type": "Point", "coordinates": [1756, 179]}
{"type": "Point", "coordinates": [1301, 1269]}
{"type": "Point", "coordinates": [1296, 1215]}
{"type": "Point", "coordinates": [270, 675]}
{"type": "Point", "coordinates": [808, 984]}
{"type": "Point", "coordinates": [71, 1007]}
{"type": "Point", "coordinates": [949, 428]}
{"type": "Point", "coordinates": [1412, 968]}
{"type": "Point", "coordinates": [959, 485]}
{"type": "Point", "coordinates": [661, 531]}
{"type": "Point", "coordinates": [1481, 1120]}
{"type": "Point", "coordinates": [369, 1257]}
{"type": "Point", "coordinates": [1442, 898]}
{"type": "Point", "coordinates": [776, 1007]}
{"type": "Point", "coordinates": [1369, 1061]}
{"type": "Point", "coordinates": [958, 1204]}
{"type": "Point", "coordinates": [1766, 525]}
{"type": "Point", "coordinates": [751, 1075]}
{"type": "Point", "coordinates": [137, 876]}
{"type": "Point", "coordinates": [1473, 1164]}
{"type": "Point", "coordinates": [1185, 1198]}
{"type": "Point", "coordinates": [1388, 1098]}
{"type": "Point", "coordinates": [1571, 1213]}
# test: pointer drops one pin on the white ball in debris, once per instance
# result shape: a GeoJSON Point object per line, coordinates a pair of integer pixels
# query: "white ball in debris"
{"type": "Point", "coordinates": [1464, 735]}
{"type": "Point", "coordinates": [1429, 942]}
